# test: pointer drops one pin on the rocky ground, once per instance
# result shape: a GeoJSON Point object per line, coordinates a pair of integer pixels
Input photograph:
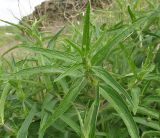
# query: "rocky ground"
{"type": "Point", "coordinates": [62, 10]}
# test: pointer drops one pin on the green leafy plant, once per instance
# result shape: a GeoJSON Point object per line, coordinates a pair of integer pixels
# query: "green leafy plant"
{"type": "Point", "coordinates": [102, 82]}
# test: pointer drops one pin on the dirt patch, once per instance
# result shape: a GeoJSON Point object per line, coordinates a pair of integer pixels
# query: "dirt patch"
{"type": "Point", "coordinates": [62, 10]}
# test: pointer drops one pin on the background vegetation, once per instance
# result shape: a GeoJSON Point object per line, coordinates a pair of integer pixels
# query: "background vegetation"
{"type": "Point", "coordinates": [98, 79]}
{"type": "Point", "coordinates": [7, 35]}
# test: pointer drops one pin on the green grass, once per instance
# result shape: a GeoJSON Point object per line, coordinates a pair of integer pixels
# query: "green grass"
{"type": "Point", "coordinates": [100, 80]}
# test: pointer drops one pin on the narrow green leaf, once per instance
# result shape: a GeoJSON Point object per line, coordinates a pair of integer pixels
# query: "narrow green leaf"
{"type": "Point", "coordinates": [23, 131]}
{"type": "Point", "coordinates": [75, 46]}
{"type": "Point", "coordinates": [2, 102]}
{"type": "Point", "coordinates": [88, 122]}
{"type": "Point", "coordinates": [135, 93]}
{"type": "Point", "coordinates": [12, 24]}
{"type": "Point", "coordinates": [151, 99]}
{"type": "Point", "coordinates": [109, 80]}
{"type": "Point", "coordinates": [71, 123]}
{"type": "Point", "coordinates": [31, 71]}
{"type": "Point", "coordinates": [97, 44]}
{"type": "Point", "coordinates": [89, 125]}
{"type": "Point", "coordinates": [70, 71]}
{"type": "Point", "coordinates": [80, 122]}
{"type": "Point", "coordinates": [152, 76]}
{"type": "Point", "coordinates": [128, 57]}
{"type": "Point", "coordinates": [133, 17]}
{"type": "Point", "coordinates": [102, 53]}
{"type": "Point", "coordinates": [148, 111]}
{"type": "Point", "coordinates": [37, 70]}
{"type": "Point", "coordinates": [52, 41]}
{"type": "Point", "coordinates": [94, 115]}
{"type": "Point", "coordinates": [47, 107]}
{"type": "Point", "coordinates": [86, 29]}
{"type": "Point", "coordinates": [64, 85]}
{"type": "Point", "coordinates": [148, 123]}
{"type": "Point", "coordinates": [64, 104]}
{"type": "Point", "coordinates": [150, 133]}
{"type": "Point", "coordinates": [47, 52]}
{"type": "Point", "coordinates": [120, 106]}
